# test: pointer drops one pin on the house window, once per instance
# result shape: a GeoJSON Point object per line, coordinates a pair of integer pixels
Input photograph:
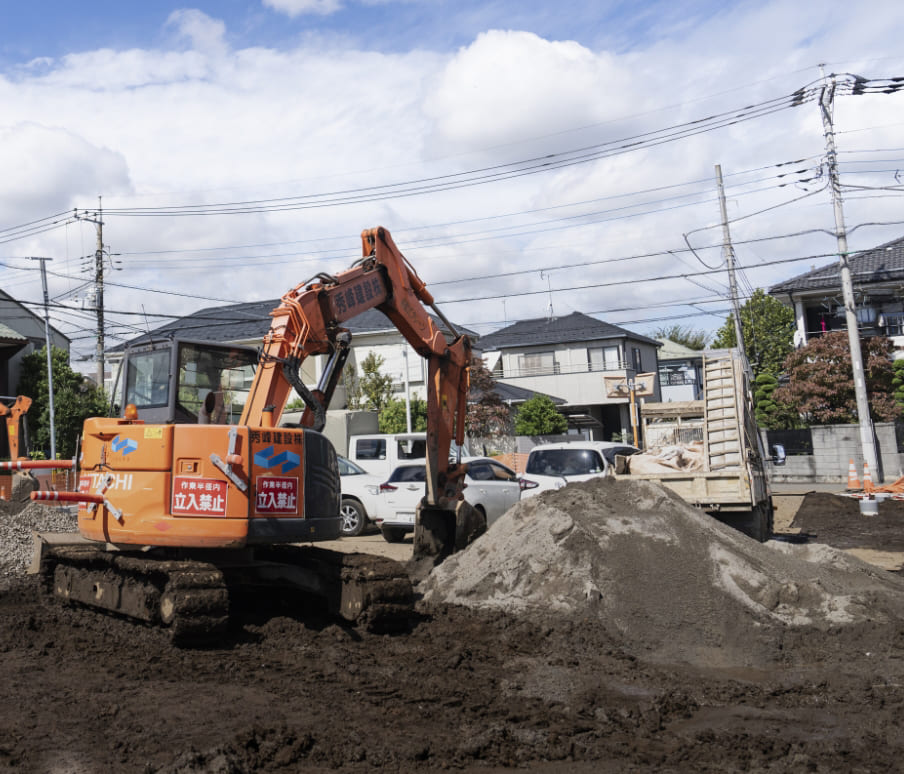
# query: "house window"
{"type": "Point", "coordinates": [672, 377]}
{"type": "Point", "coordinates": [866, 315]}
{"type": "Point", "coordinates": [636, 360]}
{"type": "Point", "coordinates": [537, 364]}
{"type": "Point", "coordinates": [603, 358]}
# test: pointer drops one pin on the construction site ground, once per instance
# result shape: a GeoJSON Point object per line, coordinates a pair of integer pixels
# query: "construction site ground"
{"type": "Point", "coordinates": [607, 627]}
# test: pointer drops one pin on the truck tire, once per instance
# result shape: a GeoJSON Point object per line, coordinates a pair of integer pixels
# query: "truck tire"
{"type": "Point", "coordinates": [755, 523]}
{"type": "Point", "coordinates": [354, 519]}
{"type": "Point", "coordinates": [393, 534]}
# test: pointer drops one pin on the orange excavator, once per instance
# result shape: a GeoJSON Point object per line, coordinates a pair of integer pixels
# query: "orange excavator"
{"type": "Point", "coordinates": [175, 517]}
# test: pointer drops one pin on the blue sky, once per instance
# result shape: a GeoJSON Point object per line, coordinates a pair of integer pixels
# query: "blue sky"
{"type": "Point", "coordinates": [154, 106]}
{"type": "Point", "coordinates": [54, 29]}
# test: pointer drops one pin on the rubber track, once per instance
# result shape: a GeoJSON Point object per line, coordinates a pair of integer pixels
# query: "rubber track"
{"type": "Point", "coordinates": [371, 592]}
{"type": "Point", "coordinates": [188, 598]}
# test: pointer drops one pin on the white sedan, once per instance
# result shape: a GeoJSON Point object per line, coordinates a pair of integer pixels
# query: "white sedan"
{"type": "Point", "coordinates": [491, 488]}
{"type": "Point", "coordinates": [360, 492]}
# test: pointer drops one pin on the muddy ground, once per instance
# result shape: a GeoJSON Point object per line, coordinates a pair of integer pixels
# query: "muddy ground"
{"type": "Point", "coordinates": [503, 681]}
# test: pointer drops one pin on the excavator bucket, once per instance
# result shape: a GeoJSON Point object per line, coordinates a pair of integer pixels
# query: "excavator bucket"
{"type": "Point", "coordinates": [440, 532]}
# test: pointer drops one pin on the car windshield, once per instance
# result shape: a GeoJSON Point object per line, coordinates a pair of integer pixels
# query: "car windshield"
{"type": "Point", "coordinates": [348, 468]}
{"type": "Point", "coordinates": [409, 473]}
{"type": "Point", "coordinates": [564, 462]}
{"type": "Point", "coordinates": [625, 451]}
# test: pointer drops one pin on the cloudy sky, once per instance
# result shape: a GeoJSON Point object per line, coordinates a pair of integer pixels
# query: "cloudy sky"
{"type": "Point", "coordinates": [528, 157]}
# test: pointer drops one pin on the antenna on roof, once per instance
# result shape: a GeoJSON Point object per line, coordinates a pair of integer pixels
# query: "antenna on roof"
{"type": "Point", "coordinates": [549, 313]}
{"type": "Point", "coordinates": [146, 323]}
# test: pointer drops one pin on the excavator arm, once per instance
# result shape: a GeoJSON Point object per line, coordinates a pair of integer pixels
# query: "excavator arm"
{"type": "Point", "coordinates": [308, 322]}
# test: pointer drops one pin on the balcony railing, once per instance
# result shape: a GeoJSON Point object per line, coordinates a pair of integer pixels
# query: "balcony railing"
{"type": "Point", "coordinates": [558, 369]}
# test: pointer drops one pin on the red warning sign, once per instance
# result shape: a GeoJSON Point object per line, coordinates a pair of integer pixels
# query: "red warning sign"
{"type": "Point", "coordinates": [199, 497]}
{"type": "Point", "coordinates": [277, 494]}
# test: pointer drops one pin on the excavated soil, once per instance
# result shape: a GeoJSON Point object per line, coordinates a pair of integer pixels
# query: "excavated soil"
{"type": "Point", "coordinates": [606, 627]}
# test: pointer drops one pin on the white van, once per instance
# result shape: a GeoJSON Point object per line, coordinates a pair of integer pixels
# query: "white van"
{"type": "Point", "coordinates": [381, 453]}
{"type": "Point", "coordinates": [553, 465]}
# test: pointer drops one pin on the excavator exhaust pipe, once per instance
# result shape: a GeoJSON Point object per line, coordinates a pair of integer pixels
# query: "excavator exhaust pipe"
{"type": "Point", "coordinates": [439, 532]}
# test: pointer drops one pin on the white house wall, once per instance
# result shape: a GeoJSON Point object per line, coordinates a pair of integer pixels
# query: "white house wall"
{"type": "Point", "coordinates": [574, 382]}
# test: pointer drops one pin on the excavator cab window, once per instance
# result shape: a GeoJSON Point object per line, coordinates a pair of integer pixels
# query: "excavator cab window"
{"type": "Point", "coordinates": [147, 380]}
{"type": "Point", "coordinates": [213, 382]}
{"type": "Point", "coordinates": [187, 381]}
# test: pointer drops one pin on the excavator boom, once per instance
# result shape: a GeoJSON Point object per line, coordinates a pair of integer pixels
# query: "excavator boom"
{"type": "Point", "coordinates": [308, 322]}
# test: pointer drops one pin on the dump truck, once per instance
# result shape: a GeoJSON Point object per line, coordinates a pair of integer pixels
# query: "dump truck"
{"type": "Point", "coordinates": [709, 451]}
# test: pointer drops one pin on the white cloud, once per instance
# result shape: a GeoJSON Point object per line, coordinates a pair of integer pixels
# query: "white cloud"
{"type": "Point", "coordinates": [204, 33]}
{"type": "Point", "coordinates": [205, 122]}
{"type": "Point", "coordinates": [49, 169]}
{"type": "Point", "coordinates": [295, 8]}
{"type": "Point", "coordinates": [511, 86]}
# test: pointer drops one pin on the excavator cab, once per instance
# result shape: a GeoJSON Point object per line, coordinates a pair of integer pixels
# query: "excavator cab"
{"type": "Point", "coordinates": [183, 381]}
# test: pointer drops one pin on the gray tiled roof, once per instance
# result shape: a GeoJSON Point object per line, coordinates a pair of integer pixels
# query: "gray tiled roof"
{"type": "Point", "coordinates": [250, 321]}
{"type": "Point", "coordinates": [7, 334]}
{"type": "Point", "coordinates": [576, 327]}
{"type": "Point", "coordinates": [509, 393]}
{"type": "Point", "coordinates": [884, 263]}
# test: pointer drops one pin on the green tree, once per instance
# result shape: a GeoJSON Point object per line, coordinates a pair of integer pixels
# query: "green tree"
{"type": "Point", "coordinates": [898, 382]}
{"type": "Point", "coordinates": [375, 387]}
{"type": "Point", "coordinates": [538, 416]}
{"type": "Point", "coordinates": [75, 398]}
{"type": "Point", "coordinates": [768, 327]}
{"type": "Point", "coordinates": [683, 335]}
{"type": "Point", "coordinates": [392, 418]}
{"type": "Point", "coordinates": [821, 380]}
{"type": "Point", "coordinates": [488, 416]}
{"type": "Point", "coordinates": [770, 413]}
{"type": "Point", "coordinates": [354, 398]}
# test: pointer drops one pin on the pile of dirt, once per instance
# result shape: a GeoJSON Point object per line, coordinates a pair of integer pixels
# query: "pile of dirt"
{"type": "Point", "coordinates": [665, 578]}
{"type": "Point", "coordinates": [603, 628]}
{"type": "Point", "coordinates": [835, 519]}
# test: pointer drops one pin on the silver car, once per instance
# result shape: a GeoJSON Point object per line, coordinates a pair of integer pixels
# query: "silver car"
{"type": "Point", "coordinates": [491, 488]}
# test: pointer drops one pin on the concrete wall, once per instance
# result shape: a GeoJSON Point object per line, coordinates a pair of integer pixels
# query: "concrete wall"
{"type": "Point", "coordinates": [834, 446]}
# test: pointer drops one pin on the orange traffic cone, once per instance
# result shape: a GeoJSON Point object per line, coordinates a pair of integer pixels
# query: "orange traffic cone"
{"type": "Point", "coordinates": [853, 481]}
{"type": "Point", "coordinates": [867, 479]}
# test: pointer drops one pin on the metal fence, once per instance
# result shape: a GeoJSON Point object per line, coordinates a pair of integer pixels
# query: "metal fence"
{"type": "Point", "coordinates": [794, 441]}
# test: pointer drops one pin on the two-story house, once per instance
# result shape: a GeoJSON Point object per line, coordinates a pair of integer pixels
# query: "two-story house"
{"type": "Point", "coordinates": [680, 372]}
{"type": "Point", "coordinates": [570, 357]}
{"type": "Point", "coordinates": [878, 279]}
{"type": "Point", "coordinates": [21, 333]}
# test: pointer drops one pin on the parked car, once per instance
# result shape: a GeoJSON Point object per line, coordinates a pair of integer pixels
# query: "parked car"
{"type": "Point", "coordinates": [492, 488]}
{"type": "Point", "coordinates": [379, 453]}
{"type": "Point", "coordinates": [360, 491]}
{"type": "Point", "coordinates": [553, 465]}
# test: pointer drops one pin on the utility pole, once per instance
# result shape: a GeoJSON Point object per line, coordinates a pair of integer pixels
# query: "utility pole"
{"type": "Point", "coordinates": [98, 288]}
{"type": "Point", "coordinates": [407, 390]}
{"type": "Point", "coordinates": [867, 436]}
{"type": "Point", "coordinates": [728, 253]}
{"type": "Point", "coordinates": [48, 346]}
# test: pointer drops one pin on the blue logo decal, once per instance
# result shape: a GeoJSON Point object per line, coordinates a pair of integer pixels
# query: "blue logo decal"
{"type": "Point", "coordinates": [266, 459]}
{"type": "Point", "coordinates": [125, 445]}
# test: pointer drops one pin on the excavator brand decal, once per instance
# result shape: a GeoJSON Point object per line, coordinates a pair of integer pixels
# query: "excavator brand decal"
{"type": "Point", "coordinates": [199, 496]}
{"type": "Point", "coordinates": [276, 494]}
{"type": "Point", "coordinates": [125, 445]}
{"type": "Point", "coordinates": [93, 482]}
{"type": "Point", "coordinates": [270, 458]}
{"type": "Point", "coordinates": [277, 436]}
{"type": "Point", "coordinates": [360, 294]}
